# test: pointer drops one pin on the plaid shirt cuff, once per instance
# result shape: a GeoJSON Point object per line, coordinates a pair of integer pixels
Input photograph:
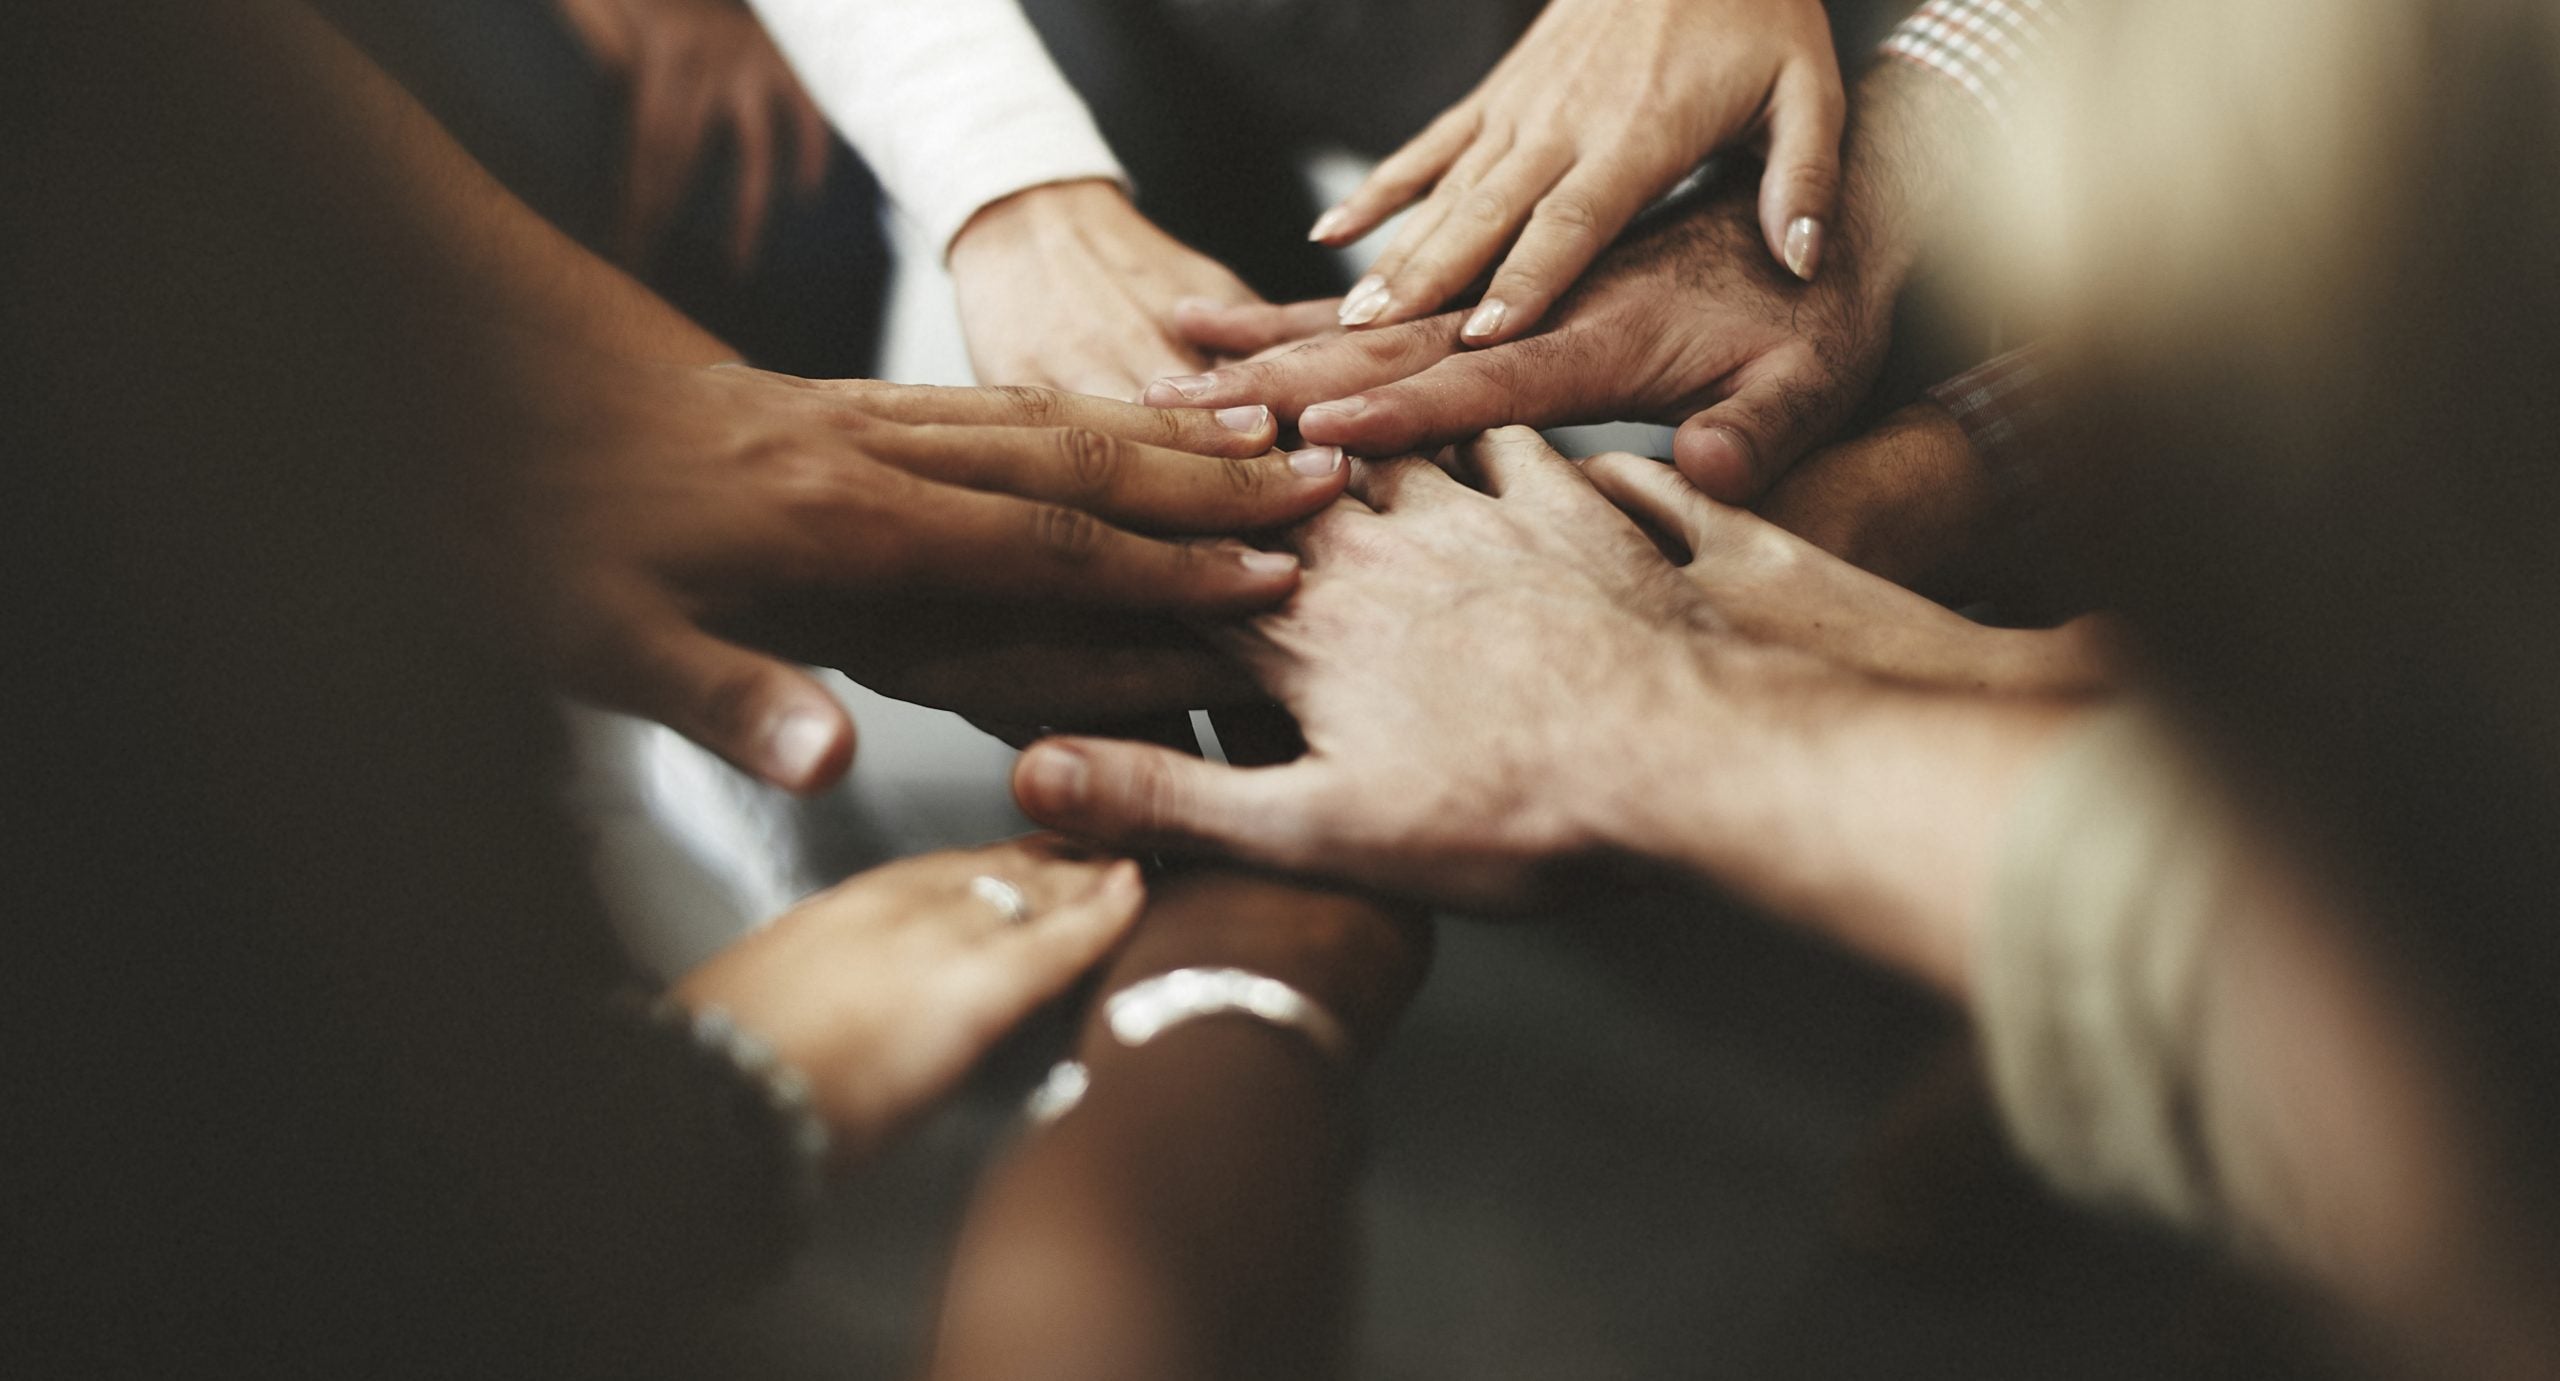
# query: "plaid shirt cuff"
{"type": "Point", "coordinates": [2007, 408]}
{"type": "Point", "coordinates": [1991, 48]}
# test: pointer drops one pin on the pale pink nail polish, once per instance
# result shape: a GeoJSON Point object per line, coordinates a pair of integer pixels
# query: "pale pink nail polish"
{"type": "Point", "coordinates": [1329, 225]}
{"type": "Point", "coordinates": [1804, 247]}
{"type": "Point", "coordinates": [1366, 303]}
{"type": "Point", "coordinates": [1267, 562]}
{"type": "Point", "coordinates": [1488, 318]}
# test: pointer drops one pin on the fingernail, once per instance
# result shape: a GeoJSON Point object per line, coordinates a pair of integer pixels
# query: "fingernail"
{"type": "Point", "coordinates": [1316, 462]}
{"type": "Point", "coordinates": [1123, 881]}
{"type": "Point", "coordinates": [1367, 301]}
{"type": "Point", "coordinates": [1329, 225]}
{"type": "Point", "coordinates": [1267, 562]}
{"type": "Point", "coordinates": [1195, 304]}
{"type": "Point", "coordinates": [1183, 387]}
{"type": "Point", "coordinates": [797, 744]}
{"type": "Point", "coordinates": [1058, 776]}
{"type": "Point", "coordinates": [1248, 419]}
{"type": "Point", "coordinates": [1488, 318]}
{"type": "Point", "coordinates": [1339, 410]}
{"type": "Point", "coordinates": [1804, 247]}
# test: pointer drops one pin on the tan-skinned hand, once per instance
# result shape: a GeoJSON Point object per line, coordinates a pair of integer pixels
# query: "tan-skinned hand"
{"type": "Point", "coordinates": [683, 536]}
{"type": "Point", "coordinates": [1599, 109]}
{"type": "Point", "coordinates": [885, 990]}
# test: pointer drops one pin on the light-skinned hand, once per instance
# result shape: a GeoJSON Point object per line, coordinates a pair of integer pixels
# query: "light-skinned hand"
{"type": "Point", "coordinates": [1602, 106]}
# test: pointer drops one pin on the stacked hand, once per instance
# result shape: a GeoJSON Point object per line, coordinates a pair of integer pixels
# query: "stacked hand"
{"type": "Point", "coordinates": [1069, 287]}
{"type": "Point", "coordinates": [1603, 106]}
{"type": "Point", "coordinates": [886, 989]}
{"type": "Point", "coordinates": [696, 68]}
{"type": "Point", "coordinates": [1492, 681]}
{"type": "Point", "coordinates": [1686, 323]}
{"type": "Point", "coordinates": [1009, 554]}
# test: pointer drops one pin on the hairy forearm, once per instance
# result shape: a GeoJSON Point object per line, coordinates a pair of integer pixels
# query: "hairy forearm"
{"type": "Point", "coordinates": [506, 273]}
{"type": "Point", "coordinates": [1870, 812]}
{"type": "Point", "coordinates": [1914, 145]}
{"type": "Point", "coordinates": [1187, 1219]}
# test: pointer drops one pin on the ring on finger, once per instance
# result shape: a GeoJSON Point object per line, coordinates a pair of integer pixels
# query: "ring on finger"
{"type": "Point", "coordinates": [1007, 899]}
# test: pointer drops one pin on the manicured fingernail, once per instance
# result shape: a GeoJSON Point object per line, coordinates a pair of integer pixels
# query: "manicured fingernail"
{"type": "Point", "coordinates": [1267, 562]}
{"type": "Point", "coordinates": [797, 744]}
{"type": "Point", "coordinates": [1487, 319]}
{"type": "Point", "coordinates": [1804, 247]}
{"type": "Point", "coordinates": [1339, 410]}
{"type": "Point", "coordinates": [1058, 776]}
{"type": "Point", "coordinates": [1316, 462]}
{"type": "Point", "coordinates": [1249, 419]}
{"type": "Point", "coordinates": [1329, 225]}
{"type": "Point", "coordinates": [1181, 388]}
{"type": "Point", "coordinates": [1366, 301]}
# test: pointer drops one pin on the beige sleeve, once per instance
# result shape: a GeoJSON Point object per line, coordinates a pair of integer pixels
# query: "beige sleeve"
{"type": "Point", "coordinates": [2115, 867]}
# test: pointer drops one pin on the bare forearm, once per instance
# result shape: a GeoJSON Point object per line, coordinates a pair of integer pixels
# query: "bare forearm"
{"type": "Point", "coordinates": [1187, 1219]}
{"type": "Point", "coordinates": [1870, 812]}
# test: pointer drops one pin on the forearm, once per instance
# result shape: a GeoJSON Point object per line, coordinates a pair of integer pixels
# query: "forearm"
{"type": "Point", "coordinates": [504, 271]}
{"type": "Point", "coordinates": [1869, 812]}
{"type": "Point", "coordinates": [1187, 1218]}
{"type": "Point", "coordinates": [1914, 147]}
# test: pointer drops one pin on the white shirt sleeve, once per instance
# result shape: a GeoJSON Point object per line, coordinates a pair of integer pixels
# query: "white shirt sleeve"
{"type": "Point", "coordinates": [953, 103]}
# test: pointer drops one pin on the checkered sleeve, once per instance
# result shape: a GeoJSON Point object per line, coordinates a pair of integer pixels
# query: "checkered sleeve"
{"type": "Point", "coordinates": [1991, 48]}
{"type": "Point", "coordinates": [2008, 410]}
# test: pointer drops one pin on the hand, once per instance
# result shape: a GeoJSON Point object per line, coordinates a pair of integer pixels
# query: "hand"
{"type": "Point", "coordinates": [1688, 323]}
{"type": "Point", "coordinates": [1069, 287]}
{"type": "Point", "coordinates": [1492, 684]}
{"type": "Point", "coordinates": [1454, 751]}
{"type": "Point", "coordinates": [942, 539]}
{"type": "Point", "coordinates": [1603, 106]}
{"type": "Point", "coordinates": [693, 67]}
{"type": "Point", "coordinates": [1908, 500]}
{"type": "Point", "coordinates": [884, 990]}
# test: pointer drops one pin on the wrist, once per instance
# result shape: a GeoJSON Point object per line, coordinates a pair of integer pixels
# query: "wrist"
{"type": "Point", "coordinates": [1913, 138]}
{"type": "Point", "coordinates": [1026, 217]}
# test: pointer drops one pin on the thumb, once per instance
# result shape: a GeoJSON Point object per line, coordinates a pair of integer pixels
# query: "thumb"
{"type": "Point", "coordinates": [1800, 190]}
{"type": "Point", "coordinates": [1742, 445]}
{"type": "Point", "coordinates": [1249, 328]}
{"type": "Point", "coordinates": [1136, 795]}
{"type": "Point", "coordinates": [769, 719]}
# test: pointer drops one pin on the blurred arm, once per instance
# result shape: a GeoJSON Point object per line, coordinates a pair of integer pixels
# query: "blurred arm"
{"type": "Point", "coordinates": [1188, 1218]}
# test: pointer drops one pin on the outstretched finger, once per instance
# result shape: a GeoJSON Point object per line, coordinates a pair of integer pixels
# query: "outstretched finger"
{"type": "Point", "coordinates": [1383, 297]}
{"type": "Point", "coordinates": [954, 541]}
{"type": "Point", "coordinates": [1522, 382]}
{"type": "Point", "coordinates": [1800, 190]}
{"type": "Point", "coordinates": [1467, 240]}
{"type": "Point", "coordinates": [1572, 225]}
{"type": "Point", "coordinates": [1247, 429]}
{"type": "Point", "coordinates": [1398, 179]}
{"type": "Point", "coordinates": [1041, 957]}
{"type": "Point", "coordinates": [1327, 369]}
{"type": "Point", "coordinates": [1655, 495]}
{"type": "Point", "coordinates": [769, 719]}
{"type": "Point", "coordinates": [1249, 328]}
{"type": "Point", "coordinates": [1125, 482]}
{"type": "Point", "coordinates": [1133, 795]}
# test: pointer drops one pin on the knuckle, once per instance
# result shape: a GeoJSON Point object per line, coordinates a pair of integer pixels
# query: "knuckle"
{"type": "Point", "coordinates": [1246, 479]}
{"type": "Point", "coordinates": [1065, 535]}
{"type": "Point", "coordinates": [1569, 214]}
{"type": "Point", "coordinates": [1094, 461]}
{"type": "Point", "coordinates": [1483, 207]}
{"type": "Point", "coordinates": [1036, 407]}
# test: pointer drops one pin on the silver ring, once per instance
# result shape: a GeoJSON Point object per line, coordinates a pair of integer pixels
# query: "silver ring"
{"type": "Point", "coordinates": [1006, 898]}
